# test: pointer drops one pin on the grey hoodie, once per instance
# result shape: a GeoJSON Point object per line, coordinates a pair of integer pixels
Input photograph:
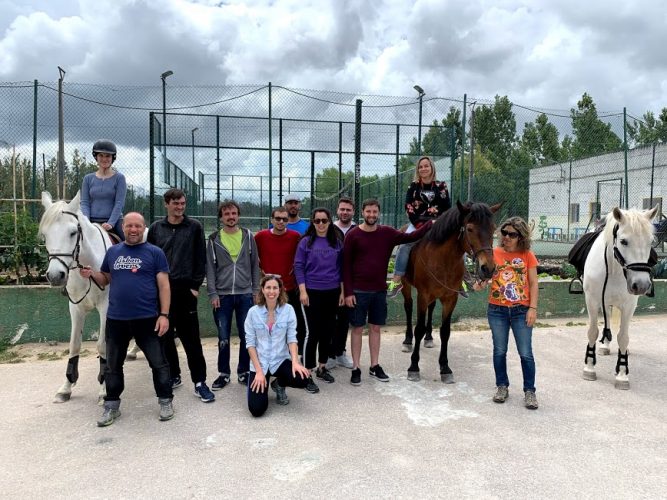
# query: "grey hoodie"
{"type": "Point", "coordinates": [226, 277]}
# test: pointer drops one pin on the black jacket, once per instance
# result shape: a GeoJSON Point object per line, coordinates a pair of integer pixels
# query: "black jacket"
{"type": "Point", "coordinates": [185, 247]}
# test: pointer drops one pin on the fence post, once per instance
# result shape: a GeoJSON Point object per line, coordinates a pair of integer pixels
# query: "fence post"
{"type": "Point", "coordinates": [217, 169]}
{"type": "Point", "coordinates": [340, 158]}
{"type": "Point", "coordinates": [463, 145]}
{"type": "Point", "coordinates": [270, 154]}
{"type": "Point", "coordinates": [625, 154]}
{"type": "Point", "coordinates": [652, 180]}
{"type": "Point", "coordinates": [472, 152]}
{"type": "Point", "coordinates": [280, 163]}
{"type": "Point", "coordinates": [34, 150]}
{"type": "Point", "coordinates": [151, 170]}
{"type": "Point", "coordinates": [312, 180]}
{"type": "Point", "coordinates": [357, 158]}
{"type": "Point", "coordinates": [396, 188]}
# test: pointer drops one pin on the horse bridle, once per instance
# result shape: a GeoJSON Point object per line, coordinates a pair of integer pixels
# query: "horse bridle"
{"type": "Point", "coordinates": [642, 267]}
{"type": "Point", "coordinates": [463, 235]}
{"type": "Point", "coordinates": [74, 255]}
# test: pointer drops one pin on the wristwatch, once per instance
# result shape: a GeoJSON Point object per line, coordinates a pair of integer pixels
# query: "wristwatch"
{"type": "Point", "coordinates": [166, 315]}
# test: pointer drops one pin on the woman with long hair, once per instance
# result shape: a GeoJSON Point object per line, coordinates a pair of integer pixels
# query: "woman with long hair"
{"type": "Point", "coordinates": [270, 330]}
{"type": "Point", "coordinates": [425, 200]}
{"type": "Point", "coordinates": [318, 270]}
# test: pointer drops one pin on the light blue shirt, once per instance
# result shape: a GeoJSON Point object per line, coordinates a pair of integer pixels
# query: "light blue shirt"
{"type": "Point", "coordinates": [103, 199]}
{"type": "Point", "coordinates": [272, 348]}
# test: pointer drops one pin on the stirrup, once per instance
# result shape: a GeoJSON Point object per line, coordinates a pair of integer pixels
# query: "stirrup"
{"type": "Point", "coordinates": [576, 289]}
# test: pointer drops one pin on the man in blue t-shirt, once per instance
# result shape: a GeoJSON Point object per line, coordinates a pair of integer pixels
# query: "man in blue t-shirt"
{"type": "Point", "coordinates": [139, 298]}
{"type": "Point", "coordinates": [294, 221]}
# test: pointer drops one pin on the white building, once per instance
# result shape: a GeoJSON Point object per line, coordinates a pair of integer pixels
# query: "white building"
{"type": "Point", "coordinates": [565, 199]}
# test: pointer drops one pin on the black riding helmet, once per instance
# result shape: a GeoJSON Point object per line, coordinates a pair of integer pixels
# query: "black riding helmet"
{"type": "Point", "coordinates": [104, 146]}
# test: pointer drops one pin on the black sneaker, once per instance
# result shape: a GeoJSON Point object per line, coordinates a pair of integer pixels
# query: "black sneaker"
{"type": "Point", "coordinates": [176, 382]}
{"type": "Point", "coordinates": [281, 394]}
{"type": "Point", "coordinates": [220, 382]}
{"type": "Point", "coordinates": [355, 379]}
{"type": "Point", "coordinates": [312, 386]}
{"type": "Point", "coordinates": [243, 378]}
{"type": "Point", "coordinates": [377, 372]}
{"type": "Point", "coordinates": [324, 374]}
{"type": "Point", "coordinates": [202, 392]}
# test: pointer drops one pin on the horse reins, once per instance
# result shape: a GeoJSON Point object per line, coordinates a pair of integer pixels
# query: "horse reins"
{"type": "Point", "coordinates": [74, 255]}
{"type": "Point", "coordinates": [642, 267]}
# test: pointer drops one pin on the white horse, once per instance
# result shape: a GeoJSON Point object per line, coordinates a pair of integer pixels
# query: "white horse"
{"type": "Point", "coordinates": [72, 242]}
{"type": "Point", "coordinates": [616, 273]}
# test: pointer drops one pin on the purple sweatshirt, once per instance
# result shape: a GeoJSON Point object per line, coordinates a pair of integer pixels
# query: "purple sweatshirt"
{"type": "Point", "coordinates": [318, 267]}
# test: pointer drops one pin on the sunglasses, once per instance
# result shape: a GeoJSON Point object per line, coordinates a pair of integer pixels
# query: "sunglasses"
{"type": "Point", "coordinates": [280, 219]}
{"type": "Point", "coordinates": [320, 221]}
{"type": "Point", "coordinates": [509, 234]}
{"type": "Point", "coordinates": [270, 276]}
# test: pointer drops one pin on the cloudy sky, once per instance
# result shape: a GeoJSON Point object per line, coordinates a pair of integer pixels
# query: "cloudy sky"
{"type": "Point", "coordinates": [539, 53]}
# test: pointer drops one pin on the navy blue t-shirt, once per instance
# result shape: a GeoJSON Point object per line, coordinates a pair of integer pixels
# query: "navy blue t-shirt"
{"type": "Point", "coordinates": [133, 293]}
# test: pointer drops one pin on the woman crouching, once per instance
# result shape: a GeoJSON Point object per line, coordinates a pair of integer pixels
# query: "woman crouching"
{"type": "Point", "coordinates": [270, 329]}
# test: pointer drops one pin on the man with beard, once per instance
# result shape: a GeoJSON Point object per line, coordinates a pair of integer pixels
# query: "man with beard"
{"type": "Point", "coordinates": [295, 222]}
{"type": "Point", "coordinates": [232, 280]}
{"type": "Point", "coordinates": [182, 240]}
{"type": "Point", "coordinates": [337, 356]}
{"type": "Point", "coordinates": [276, 248]}
{"type": "Point", "coordinates": [366, 254]}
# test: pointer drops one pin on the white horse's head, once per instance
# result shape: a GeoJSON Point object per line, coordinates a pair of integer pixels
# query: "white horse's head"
{"type": "Point", "coordinates": [62, 235]}
{"type": "Point", "coordinates": [631, 234]}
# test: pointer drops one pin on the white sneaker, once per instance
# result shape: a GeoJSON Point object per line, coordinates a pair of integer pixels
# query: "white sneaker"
{"type": "Point", "coordinates": [344, 361]}
{"type": "Point", "coordinates": [331, 364]}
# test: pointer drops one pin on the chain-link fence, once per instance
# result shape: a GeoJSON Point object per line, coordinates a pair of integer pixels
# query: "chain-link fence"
{"type": "Point", "coordinates": [561, 170]}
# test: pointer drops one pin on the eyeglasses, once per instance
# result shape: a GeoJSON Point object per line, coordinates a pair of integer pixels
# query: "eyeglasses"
{"type": "Point", "coordinates": [280, 219]}
{"type": "Point", "coordinates": [320, 221]}
{"type": "Point", "coordinates": [509, 234]}
{"type": "Point", "coordinates": [269, 276]}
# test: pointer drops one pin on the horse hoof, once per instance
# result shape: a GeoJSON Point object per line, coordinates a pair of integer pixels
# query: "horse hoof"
{"type": "Point", "coordinates": [447, 378]}
{"type": "Point", "coordinates": [130, 356]}
{"type": "Point", "coordinates": [604, 351]}
{"type": "Point", "coordinates": [414, 376]}
{"type": "Point", "coordinates": [62, 398]}
{"type": "Point", "coordinates": [428, 343]}
{"type": "Point", "coordinates": [590, 375]}
{"type": "Point", "coordinates": [406, 348]}
{"type": "Point", "coordinates": [623, 385]}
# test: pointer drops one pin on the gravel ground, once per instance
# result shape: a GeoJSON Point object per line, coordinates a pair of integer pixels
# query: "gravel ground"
{"type": "Point", "coordinates": [399, 439]}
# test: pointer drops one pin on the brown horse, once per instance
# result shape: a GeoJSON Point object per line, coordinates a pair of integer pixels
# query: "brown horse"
{"type": "Point", "coordinates": [436, 269]}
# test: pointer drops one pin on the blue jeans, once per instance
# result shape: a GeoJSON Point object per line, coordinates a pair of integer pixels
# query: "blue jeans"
{"type": "Point", "coordinates": [403, 255]}
{"type": "Point", "coordinates": [230, 304]}
{"type": "Point", "coordinates": [501, 318]}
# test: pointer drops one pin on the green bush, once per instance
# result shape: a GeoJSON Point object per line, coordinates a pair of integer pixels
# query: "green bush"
{"type": "Point", "coordinates": [23, 255]}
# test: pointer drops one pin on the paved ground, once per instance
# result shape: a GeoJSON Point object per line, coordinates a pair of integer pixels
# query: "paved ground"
{"type": "Point", "coordinates": [400, 439]}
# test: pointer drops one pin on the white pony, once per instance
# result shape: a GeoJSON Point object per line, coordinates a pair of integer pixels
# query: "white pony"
{"type": "Point", "coordinates": [616, 273]}
{"type": "Point", "coordinates": [72, 242]}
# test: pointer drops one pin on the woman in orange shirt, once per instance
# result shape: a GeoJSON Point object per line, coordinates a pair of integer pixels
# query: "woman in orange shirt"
{"type": "Point", "coordinates": [513, 304]}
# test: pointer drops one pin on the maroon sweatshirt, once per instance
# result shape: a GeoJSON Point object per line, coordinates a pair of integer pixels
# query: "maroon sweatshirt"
{"type": "Point", "coordinates": [366, 256]}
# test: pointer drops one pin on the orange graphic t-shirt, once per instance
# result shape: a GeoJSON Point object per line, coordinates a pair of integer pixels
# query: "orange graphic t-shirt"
{"type": "Point", "coordinates": [509, 284]}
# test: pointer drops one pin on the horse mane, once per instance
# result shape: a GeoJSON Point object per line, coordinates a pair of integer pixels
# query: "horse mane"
{"type": "Point", "coordinates": [51, 214]}
{"type": "Point", "coordinates": [632, 218]}
{"type": "Point", "coordinates": [449, 223]}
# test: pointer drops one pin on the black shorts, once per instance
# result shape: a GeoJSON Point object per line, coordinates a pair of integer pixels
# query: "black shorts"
{"type": "Point", "coordinates": [372, 305]}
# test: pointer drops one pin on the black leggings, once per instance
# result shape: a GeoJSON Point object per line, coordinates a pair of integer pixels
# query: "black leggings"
{"type": "Point", "coordinates": [258, 402]}
{"type": "Point", "coordinates": [321, 318]}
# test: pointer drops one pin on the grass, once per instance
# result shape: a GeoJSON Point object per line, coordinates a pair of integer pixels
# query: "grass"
{"type": "Point", "coordinates": [575, 323]}
{"type": "Point", "coordinates": [10, 357]}
{"type": "Point", "coordinates": [543, 325]}
{"type": "Point", "coordinates": [49, 356]}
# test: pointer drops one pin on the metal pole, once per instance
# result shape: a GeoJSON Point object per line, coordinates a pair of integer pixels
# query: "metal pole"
{"type": "Point", "coordinates": [270, 151]}
{"type": "Point", "coordinates": [164, 76]}
{"type": "Point", "coordinates": [34, 150]}
{"type": "Point", "coordinates": [625, 153]}
{"type": "Point", "coordinates": [569, 200]}
{"type": "Point", "coordinates": [463, 144]}
{"type": "Point", "coordinates": [61, 138]}
{"type": "Point", "coordinates": [419, 130]}
{"type": "Point", "coordinates": [652, 179]}
{"type": "Point", "coordinates": [340, 158]}
{"type": "Point", "coordinates": [397, 186]}
{"type": "Point", "coordinates": [312, 180]}
{"type": "Point", "coordinates": [194, 193]}
{"type": "Point", "coordinates": [472, 151]}
{"type": "Point", "coordinates": [357, 158]}
{"type": "Point", "coordinates": [280, 162]}
{"type": "Point", "coordinates": [217, 169]}
{"type": "Point", "coordinates": [151, 167]}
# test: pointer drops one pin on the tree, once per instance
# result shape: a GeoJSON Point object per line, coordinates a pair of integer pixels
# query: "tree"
{"type": "Point", "coordinates": [650, 130]}
{"type": "Point", "coordinates": [592, 136]}
{"type": "Point", "coordinates": [540, 141]}
{"type": "Point", "coordinates": [494, 129]}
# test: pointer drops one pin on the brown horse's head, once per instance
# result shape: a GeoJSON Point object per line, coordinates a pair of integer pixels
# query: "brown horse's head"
{"type": "Point", "coordinates": [477, 228]}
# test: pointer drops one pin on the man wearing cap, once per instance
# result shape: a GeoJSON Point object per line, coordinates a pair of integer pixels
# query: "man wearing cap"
{"type": "Point", "coordinates": [295, 222]}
